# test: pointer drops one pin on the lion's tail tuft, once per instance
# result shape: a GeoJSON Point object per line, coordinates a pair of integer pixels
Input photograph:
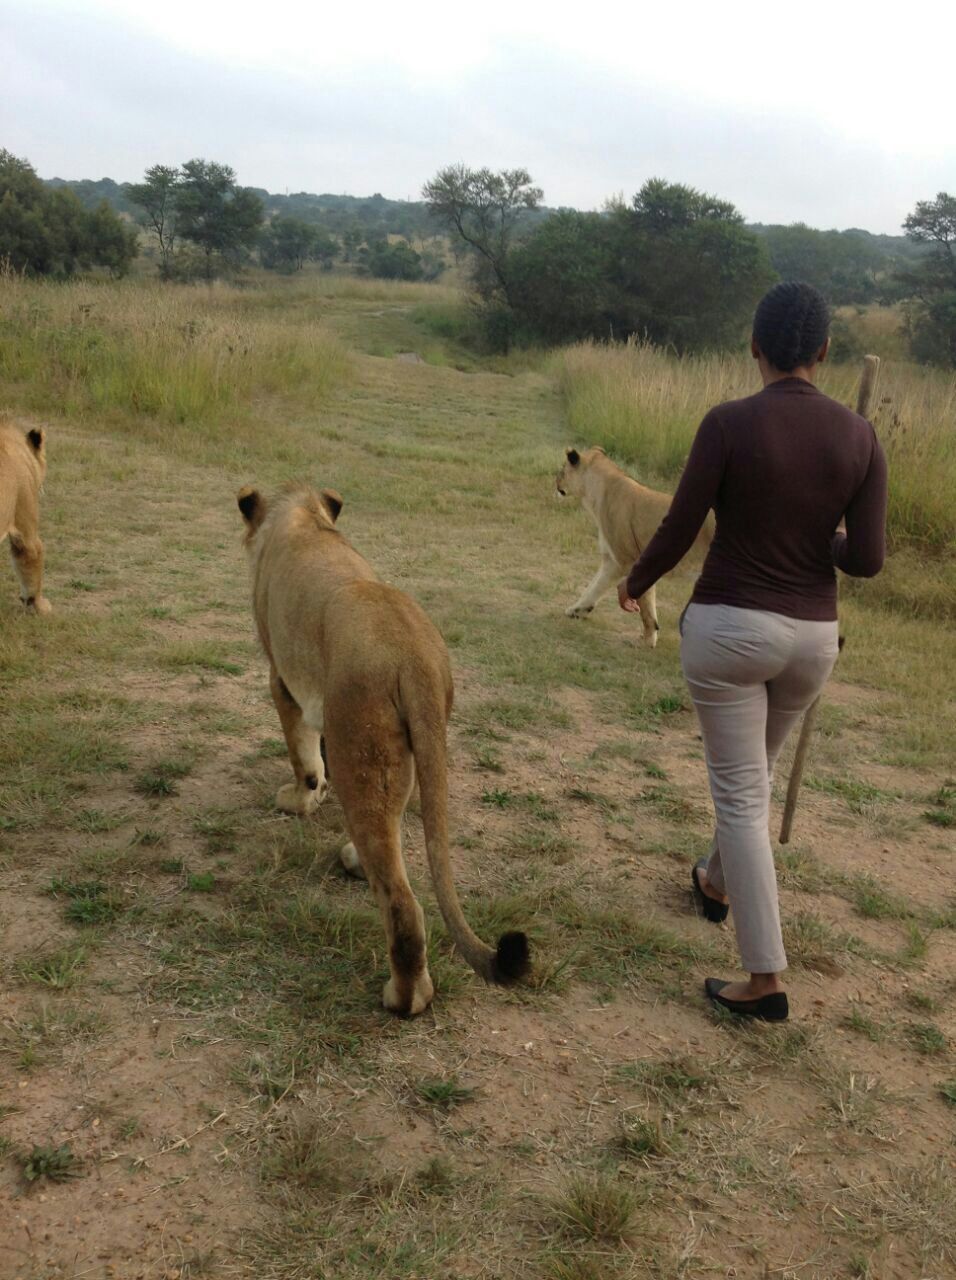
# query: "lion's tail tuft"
{"type": "Point", "coordinates": [512, 958]}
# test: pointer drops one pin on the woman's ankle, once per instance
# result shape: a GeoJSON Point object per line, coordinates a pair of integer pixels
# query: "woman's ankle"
{"type": "Point", "coordinates": [765, 984]}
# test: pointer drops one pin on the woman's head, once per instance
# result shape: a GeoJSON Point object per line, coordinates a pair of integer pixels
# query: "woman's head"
{"type": "Point", "coordinates": [791, 326]}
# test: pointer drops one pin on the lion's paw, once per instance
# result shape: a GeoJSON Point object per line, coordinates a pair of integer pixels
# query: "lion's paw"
{"type": "Point", "coordinates": [299, 800]}
{"type": "Point", "coordinates": [579, 611]}
{"type": "Point", "coordinates": [351, 861]}
{"type": "Point", "coordinates": [422, 996]}
{"type": "Point", "coordinates": [40, 605]}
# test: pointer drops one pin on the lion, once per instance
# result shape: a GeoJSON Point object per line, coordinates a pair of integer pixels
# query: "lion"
{"type": "Point", "coordinates": [627, 515]}
{"type": "Point", "coordinates": [22, 471]}
{"type": "Point", "coordinates": [362, 683]}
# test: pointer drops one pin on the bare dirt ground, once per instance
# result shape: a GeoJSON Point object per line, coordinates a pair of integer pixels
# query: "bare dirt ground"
{"type": "Point", "coordinates": [197, 1079]}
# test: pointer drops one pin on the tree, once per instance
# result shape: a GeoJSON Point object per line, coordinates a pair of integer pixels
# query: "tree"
{"type": "Point", "coordinates": [157, 199]}
{"type": "Point", "coordinates": [112, 244]}
{"type": "Point", "coordinates": [560, 278]}
{"type": "Point", "coordinates": [483, 209]}
{"type": "Point", "coordinates": [286, 244]}
{"type": "Point", "coordinates": [931, 318]}
{"type": "Point", "coordinates": [47, 231]}
{"type": "Point", "coordinates": [352, 239]}
{"type": "Point", "coordinates": [212, 212]}
{"type": "Point", "coordinates": [687, 272]}
{"type": "Point", "coordinates": [846, 266]}
{"type": "Point", "coordinates": [393, 261]}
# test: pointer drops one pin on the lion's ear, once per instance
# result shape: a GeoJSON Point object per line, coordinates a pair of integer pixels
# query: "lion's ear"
{"type": "Point", "coordinates": [334, 502]}
{"type": "Point", "coordinates": [35, 438]}
{"type": "Point", "coordinates": [573, 457]}
{"type": "Point", "coordinates": [251, 505]}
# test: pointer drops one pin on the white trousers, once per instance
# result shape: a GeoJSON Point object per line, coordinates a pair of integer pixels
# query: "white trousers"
{"type": "Point", "coordinates": [751, 675]}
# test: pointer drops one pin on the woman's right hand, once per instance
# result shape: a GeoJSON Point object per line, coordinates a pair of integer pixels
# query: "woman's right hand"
{"type": "Point", "coordinates": [627, 603]}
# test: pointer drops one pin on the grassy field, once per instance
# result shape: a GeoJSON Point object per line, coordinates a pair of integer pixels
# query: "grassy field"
{"type": "Point", "coordinates": [197, 1078]}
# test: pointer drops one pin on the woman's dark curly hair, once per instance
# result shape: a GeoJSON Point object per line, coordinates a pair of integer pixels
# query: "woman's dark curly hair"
{"type": "Point", "coordinates": [791, 324]}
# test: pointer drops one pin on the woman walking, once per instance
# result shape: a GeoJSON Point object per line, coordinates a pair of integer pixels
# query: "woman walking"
{"type": "Point", "coordinates": [781, 469]}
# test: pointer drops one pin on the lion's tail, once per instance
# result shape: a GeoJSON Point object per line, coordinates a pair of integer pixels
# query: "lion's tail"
{"type": "Point", "coordinates": [426, 721]}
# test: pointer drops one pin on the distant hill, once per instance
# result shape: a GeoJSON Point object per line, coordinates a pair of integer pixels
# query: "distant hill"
{"type": "Point", "coordinates": [334, 213]}
{"type": "Point", "coordinates": [409, 218]}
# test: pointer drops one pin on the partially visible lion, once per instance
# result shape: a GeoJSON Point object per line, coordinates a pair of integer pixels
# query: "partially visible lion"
{"type": "Point", "coordinates": [22, 470]}
{"type": "Point", "coordinates": [362, 682]}
{"type": "Point", "coordinates": [627, 515]}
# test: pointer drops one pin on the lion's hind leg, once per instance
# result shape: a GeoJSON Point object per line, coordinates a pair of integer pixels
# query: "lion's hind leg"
{"type": "Point", "coordinates": [648, 603]}
{"type": "Point", "coordinates": [373, 781]}
{"type": "Point", "coordinates": [305, 754]}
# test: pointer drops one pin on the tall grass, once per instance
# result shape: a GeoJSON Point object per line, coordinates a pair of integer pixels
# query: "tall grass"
{"type": "Point", "coordinates": [181, 355]}
{"type": "Point", "coordinates": [644, 405]}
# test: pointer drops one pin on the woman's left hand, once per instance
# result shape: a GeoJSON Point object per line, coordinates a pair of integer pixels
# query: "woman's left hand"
{"type": "Point", "coordinates": [628, 604]}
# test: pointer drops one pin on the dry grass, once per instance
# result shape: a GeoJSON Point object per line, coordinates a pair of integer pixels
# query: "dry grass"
{"type": "Point", "coordinates": [644, 405]}
{"type": "Point", "coordinates": [182, 357]}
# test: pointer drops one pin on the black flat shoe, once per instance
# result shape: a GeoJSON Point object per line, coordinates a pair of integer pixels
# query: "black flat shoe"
{"type": "Point", "coordinates": [772, 1008]}
{"type": "Point", "coordinates": [713, 910]}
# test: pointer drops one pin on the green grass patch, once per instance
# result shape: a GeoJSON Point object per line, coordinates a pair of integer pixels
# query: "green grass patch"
{"type": "Point", "coordinates": [50, 1164]}
{"type": "Point", "coordinates": [443, 1095]}
{"type": "Point", "coordinates": [927, 1039]}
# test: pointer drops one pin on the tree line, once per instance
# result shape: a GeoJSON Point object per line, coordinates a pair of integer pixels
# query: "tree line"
{"type": "Point", "coordinates": [676, 266]}
{"type": "Point", "coordinates": [197, 219]}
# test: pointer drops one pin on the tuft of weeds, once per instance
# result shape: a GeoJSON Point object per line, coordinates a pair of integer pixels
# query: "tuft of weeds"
{"type": "Point", "coordinates": [926, 1038]}
{"type": "Point", "coordinates": [947, 1091]}
{"type": "Point", "coordinates": [599, 1207]}
{"type": "Point", "coordinates": [201, 882]}
{"type": "Point", "coordinates": [921, 1001]}
{"type": "Point", "coordinates": [201, 656]}
{"type": "Point", "coordinates": [50, 1164]}
{"type": "Point", "coordinates": [57, 968]}
{"type": "Point", "coordinates": [160, 779]}
{"type": "Point", "coordinates": [489, 759]}
{"type": "Point", "coordinates": [861, 798]}
{"type": "Point", "coordinates": [437, 1177]}
{"type": "Point", "coordinates": [799, 869]}
{"type": "Point", "coordinates": [219, 828]}
{"type": "Point", "coordinates": [857, 1100]}
{"type": "Point", "coordinates": [874, 902]}
{"type": "Point", "coordinates": [864, 1025]}
{"type": "Point", "coordinates": [146, 837]}
{"type": "Point", "coordinates": [304, 1157]}
{"type": "Point", "coordinates": [443, 1095]}
{"type": "Point", "coordinates": [538, 843]}
{"type": "Point", "coordinates": [667, 801]}
{"type": "Point", "coordinates": [89, 902]}
{"type": "Point", "coordinates": [943, 813]}
{"type": "Point", "coordinates": [916, 946]}
{"type": "Point", "coordinates": [96, 821]}
{"type": "Point", "coordinates": [812, 944]}
{"type": "Point", "coordinates": [618, 943]}
{"type": "Point", "coordinates": [644, 1138]}
{"type": "Point", "coordinates": [674, 1082]}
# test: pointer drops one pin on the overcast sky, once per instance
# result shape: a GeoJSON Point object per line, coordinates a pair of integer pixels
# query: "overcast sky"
{"type": "Point", "coordinates": [837, 115]}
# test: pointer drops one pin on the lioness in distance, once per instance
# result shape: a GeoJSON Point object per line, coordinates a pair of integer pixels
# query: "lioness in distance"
{"type": "Point", "coordinates": [627, 515]}
{"type": "Point", "coordinates": [22, 469]}
{"type": "Point", "coordinates": [361, 680]}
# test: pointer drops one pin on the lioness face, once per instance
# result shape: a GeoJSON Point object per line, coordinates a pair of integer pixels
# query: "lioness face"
{"type": "Point", "coordinates": [568, 479]}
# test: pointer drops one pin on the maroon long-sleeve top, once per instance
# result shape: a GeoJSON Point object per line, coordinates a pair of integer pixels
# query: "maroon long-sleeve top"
{"type": "Point", "coordinates": [780, 470]}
